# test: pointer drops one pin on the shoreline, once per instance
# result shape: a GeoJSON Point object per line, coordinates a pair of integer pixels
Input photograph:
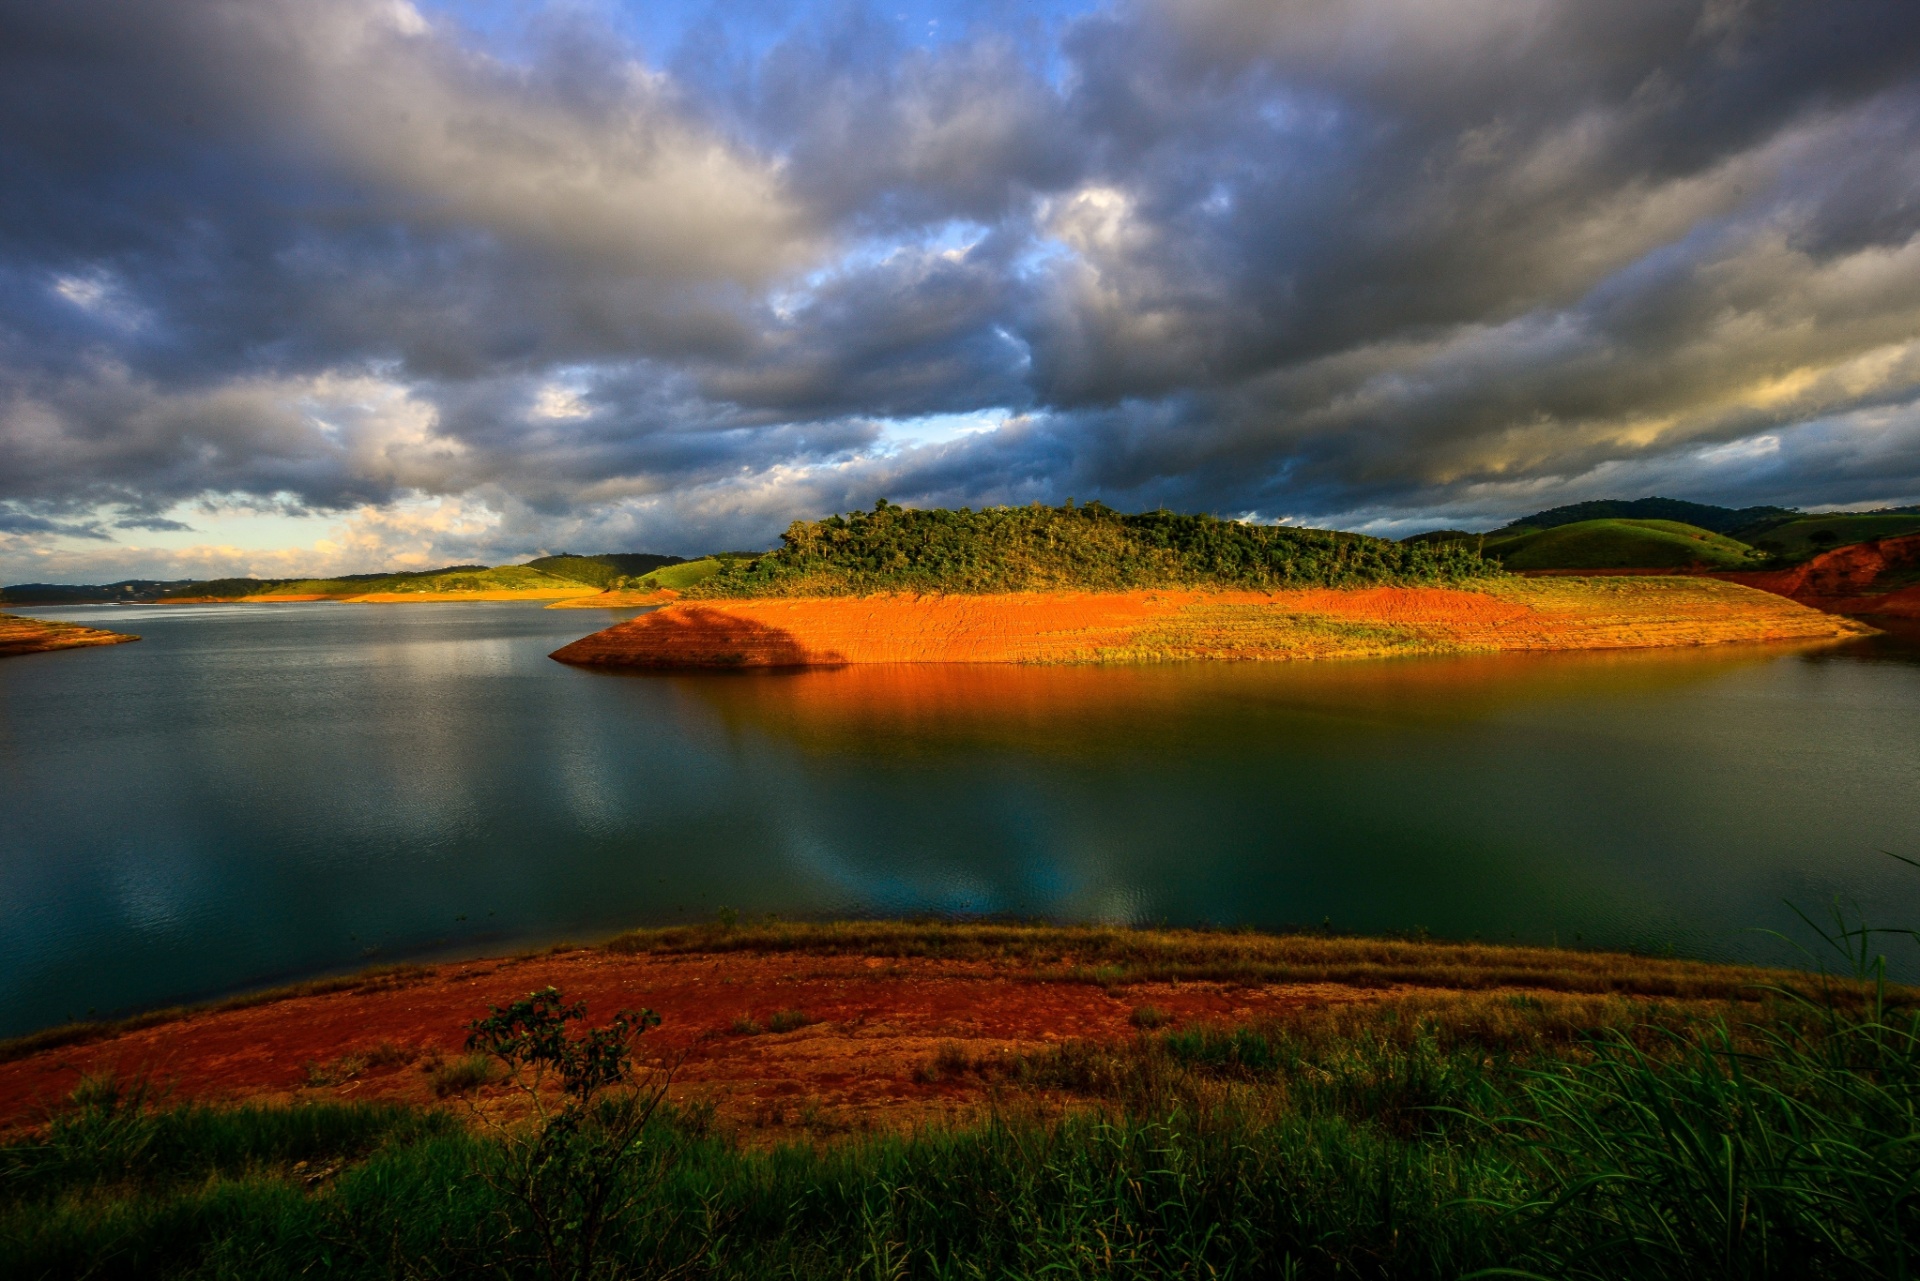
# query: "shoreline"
{"type": "Point", "coordinates": [385, 598]}
{"type": "Point", "coordinates": [20, 636]}
{"type": "Point", "coordinates": [1511, 614]}
{"type": "Point", "coordinates": [877, 1000]}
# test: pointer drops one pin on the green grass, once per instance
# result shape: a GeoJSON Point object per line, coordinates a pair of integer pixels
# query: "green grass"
{"type": "Point", "coordinates": [677, 577]}
{"type": "Point", "coordinates": [600, 571]}
{"type": "Point", "coordinates": [1802, 539]}
{"type": "Point", "coordinates": [501, 578]}
{"type": "Point", "coordinates": [1094, 548]}
{"type": "Point", "coordinates": [1408, 1142]}
{"type": "Point", "coordinates": [1619, 544]}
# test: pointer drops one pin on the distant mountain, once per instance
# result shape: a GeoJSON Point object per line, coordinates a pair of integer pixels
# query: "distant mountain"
{"type": "Point", "coordinates": [128, 589]}
{"type": "Point", "coordinates": [593, 571]}
{"type": "Point", "coordinates": [1720, 520]}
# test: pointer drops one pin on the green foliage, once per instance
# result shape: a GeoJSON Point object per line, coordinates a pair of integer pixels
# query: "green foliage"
{"type": "Point", "coordinates": [1618, 544]}
{"type": "Point", "coordinates": [567, 1172]}
{"type": "Point", "coordinates": [1037, 548]}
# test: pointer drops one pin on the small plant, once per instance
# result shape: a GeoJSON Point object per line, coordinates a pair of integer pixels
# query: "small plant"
{"type": "Point", "coordinates": [745, 1026]}
{"type": "Point", "coordinates": [350, 1066]}
{"type": "Point", "coordinates": [950, 1059]}
{"type": "Point", "coordinates": [571, 1168]}
{"type": "Point", "coordinates": [789, 1021]}
{"type": "Point", "coordinates": [463, 1075]}
{"type": "Point", "coordinates": [1149, 1017]}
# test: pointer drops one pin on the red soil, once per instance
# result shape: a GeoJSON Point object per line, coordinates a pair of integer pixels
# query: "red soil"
{"type": "Point", "coordinates": [1012, 628]}
{"type": "Point", "coordinates": [863, 1062]}
{"type": "Point", "coordinates": [1843, 580]}
{"type": "Point", "coordinates": [1042, 627]}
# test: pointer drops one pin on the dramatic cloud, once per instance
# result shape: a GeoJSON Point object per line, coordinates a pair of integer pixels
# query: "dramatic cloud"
{"type": "Point", "coordinates": [332, 284]}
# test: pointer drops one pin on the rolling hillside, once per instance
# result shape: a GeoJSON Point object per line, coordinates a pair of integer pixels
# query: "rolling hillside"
{"type": "Point", "coordinates": [1618, 544]}
{"type": "Point", "coordinates": [602, 570]}
{"type": "Point", "coordinates": [1718, 520]}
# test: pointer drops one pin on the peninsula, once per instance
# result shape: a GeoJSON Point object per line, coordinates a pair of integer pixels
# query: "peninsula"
{"type": "Point", "coordinates": [1090, 584]}
{"type": "Point", "coordinates": [39, 635]}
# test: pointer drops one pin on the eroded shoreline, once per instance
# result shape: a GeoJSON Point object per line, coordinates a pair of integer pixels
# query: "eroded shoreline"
{"type": "Point", "coordinates": [1513, 614]}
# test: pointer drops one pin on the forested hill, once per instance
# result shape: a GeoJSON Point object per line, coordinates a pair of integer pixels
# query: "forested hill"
{"type": "Point", "coordinates": [1720, 520]}
{"type": "Point", "coordinates": [1037, 548]}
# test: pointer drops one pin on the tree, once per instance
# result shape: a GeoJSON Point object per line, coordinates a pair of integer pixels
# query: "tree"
{"type": "Point", "coordinates": [576, 1164]}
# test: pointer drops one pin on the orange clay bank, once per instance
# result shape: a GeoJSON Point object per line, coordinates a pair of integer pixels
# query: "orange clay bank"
{"type": "Point", "coordinates": [38, 636]}
{"type": "Point", "coordinates": [1176, 624]}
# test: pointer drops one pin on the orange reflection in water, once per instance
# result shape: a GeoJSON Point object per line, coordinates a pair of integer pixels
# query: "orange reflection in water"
{"type": "Point", "coordinates": [1099, 710]}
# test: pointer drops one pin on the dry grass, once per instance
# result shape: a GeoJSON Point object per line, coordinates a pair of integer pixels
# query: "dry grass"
{"type": "Point", "coordinates": [1116, 957]}
{"type": "Point", "coordinates": [38, 636]}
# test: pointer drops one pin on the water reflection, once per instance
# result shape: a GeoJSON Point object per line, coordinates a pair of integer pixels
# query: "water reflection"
{"type": "Point", "coordinates": [257, 794]}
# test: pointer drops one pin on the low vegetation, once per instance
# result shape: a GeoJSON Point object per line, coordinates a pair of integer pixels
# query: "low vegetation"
{"type": "Point", "coordinates": [1619, 544]}
{"type": "Point", "coordinates": [676, 578]}
{"type": "Point", "coordinates": [1085, 548]}
{"type": "Point", "coordinates": [1437, 1135]}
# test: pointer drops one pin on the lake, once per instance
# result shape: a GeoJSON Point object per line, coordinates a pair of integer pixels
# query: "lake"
{"type": "Point", "coordinates": [256, 794]}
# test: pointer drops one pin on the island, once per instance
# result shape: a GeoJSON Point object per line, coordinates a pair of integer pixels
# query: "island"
{"type": "Point", "coordinates": [1088, 584]}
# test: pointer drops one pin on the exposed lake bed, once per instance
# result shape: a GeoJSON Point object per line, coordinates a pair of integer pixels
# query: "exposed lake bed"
{"type": "Point", "coordinates": [254, 796]}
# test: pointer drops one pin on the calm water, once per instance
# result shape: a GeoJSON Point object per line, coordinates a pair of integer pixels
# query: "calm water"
{"type": "Point", "coordinates": [253, 794]}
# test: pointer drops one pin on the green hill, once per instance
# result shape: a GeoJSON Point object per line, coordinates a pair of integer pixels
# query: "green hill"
{"type": "Point", "coordinates": [1037, 548]}
{"type": "Point", "coordinates": [454, 578]}
{"type": "Point", "coordinates": [1618, 544]}
{"type": "Point", "coordinates": [1718, 520]}
{"type": "Point", "coordinates": [678, 577]}
{"type": "Point", "coordinates": [546, 573]}
{"type": "Point", "coordinates": [601, 570]}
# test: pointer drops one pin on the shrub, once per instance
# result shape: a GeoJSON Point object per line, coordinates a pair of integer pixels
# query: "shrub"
{"type": "Point", "coordinates": [1149, 1017]}
{"type": "Point", "coordinates": [569, 1169]}
{"type": "Point", "coordinates": [789, 1021]}
{"type": "Point", "coordinates": [463, 1075]}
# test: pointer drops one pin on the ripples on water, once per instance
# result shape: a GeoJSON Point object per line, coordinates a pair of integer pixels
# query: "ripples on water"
{"type": "Point", "coordinates": [259, 793]}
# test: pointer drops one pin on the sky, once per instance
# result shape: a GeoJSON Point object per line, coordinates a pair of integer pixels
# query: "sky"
{"type": "Point", "coordinates": [316, 286]}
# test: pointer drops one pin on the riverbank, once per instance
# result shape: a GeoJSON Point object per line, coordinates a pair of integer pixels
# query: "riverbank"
{"type": "Point", "coordinates": [872, 1003]}
{"type": "Point", "coordinates": [932, 1100]}
{"type": "Point", "coordinates": [1152, 626]}
{"type": "Point", "coordinates": [39, 636]}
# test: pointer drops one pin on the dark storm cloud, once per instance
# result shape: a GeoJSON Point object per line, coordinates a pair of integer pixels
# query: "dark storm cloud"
{"type": "Point", "coordinates": [1357, 261]}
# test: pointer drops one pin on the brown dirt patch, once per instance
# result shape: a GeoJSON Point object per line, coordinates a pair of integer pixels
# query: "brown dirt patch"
{"type": "Point", "coordinates": [1068, 627]}
{"type": "Point", "coordinates": [878, 1025]}
{"type": "Point", "coordinates": [38, 636]}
